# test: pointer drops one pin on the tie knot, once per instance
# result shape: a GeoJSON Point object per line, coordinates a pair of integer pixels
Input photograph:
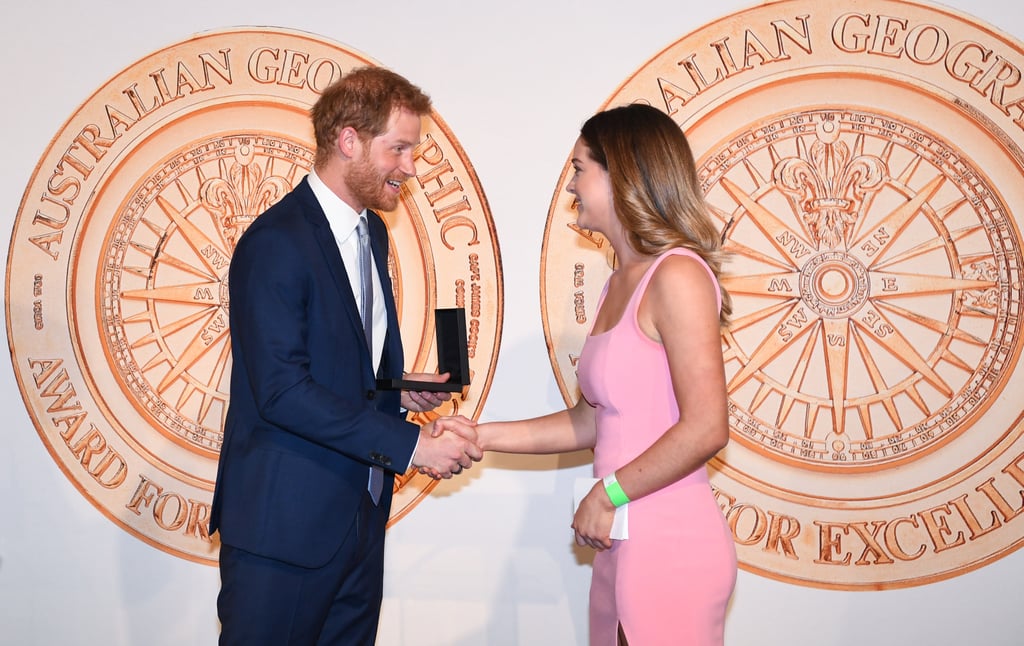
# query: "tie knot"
{"type": "Point", "coordinates": [362, 228]}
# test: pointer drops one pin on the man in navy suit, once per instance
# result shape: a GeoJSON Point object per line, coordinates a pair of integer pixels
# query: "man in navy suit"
{"type": "Point", "coordinates": [308, 438]}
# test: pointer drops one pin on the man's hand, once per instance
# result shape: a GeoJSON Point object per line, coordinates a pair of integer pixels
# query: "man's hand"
{"type": "Point", "coordinates": [420, 401]}
{"type": "Point", "coordinates": [441, 455]}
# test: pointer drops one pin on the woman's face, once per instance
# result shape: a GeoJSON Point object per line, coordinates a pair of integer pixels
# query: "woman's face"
{"type": "Point", "coordinates": [593, 190]}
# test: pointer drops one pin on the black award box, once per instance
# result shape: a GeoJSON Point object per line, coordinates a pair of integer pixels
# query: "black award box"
{"type": "Point", "coordinates": [452, 355]}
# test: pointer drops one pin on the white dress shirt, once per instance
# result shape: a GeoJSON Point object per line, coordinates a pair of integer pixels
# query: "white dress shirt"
{"type": "Point", "coordinates": [343, 220]}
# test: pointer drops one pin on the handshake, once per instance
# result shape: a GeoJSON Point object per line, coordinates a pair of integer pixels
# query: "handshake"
{"type": "Point", "coordinates": [442, 454]}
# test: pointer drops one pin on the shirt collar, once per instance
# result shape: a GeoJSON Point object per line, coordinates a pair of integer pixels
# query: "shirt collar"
{"type": "Point", "coordinates": [342, 217]}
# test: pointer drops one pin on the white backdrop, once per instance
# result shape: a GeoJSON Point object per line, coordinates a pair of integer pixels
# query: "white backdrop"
{"type": "Point", "coordinates": [486, 559]}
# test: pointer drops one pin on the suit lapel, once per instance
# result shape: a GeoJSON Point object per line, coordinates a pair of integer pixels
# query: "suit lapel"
{"type": "Point", "coordinates": [331, 254]}
{"type": "Point", "coordinates": [393, 360]}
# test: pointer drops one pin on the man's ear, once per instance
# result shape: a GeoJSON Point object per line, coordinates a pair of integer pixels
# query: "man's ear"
{"type": "Point", "coordinates": [348, 143]}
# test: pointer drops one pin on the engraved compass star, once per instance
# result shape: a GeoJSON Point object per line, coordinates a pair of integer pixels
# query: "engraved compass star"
{"type": "Point", "coordinates": [829, 242]}
{"type": "Point", "coordinates": [186, 243]}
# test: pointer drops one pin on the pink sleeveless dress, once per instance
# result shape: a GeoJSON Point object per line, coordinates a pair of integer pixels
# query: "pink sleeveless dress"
{"type": "Point", "coordinates": [670, 581]}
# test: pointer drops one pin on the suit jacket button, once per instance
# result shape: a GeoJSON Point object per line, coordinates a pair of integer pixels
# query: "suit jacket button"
{"type": "Point", "coordinates": [370, 394]}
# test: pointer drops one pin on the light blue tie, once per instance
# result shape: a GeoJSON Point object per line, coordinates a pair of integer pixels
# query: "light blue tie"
{"type": "Point", "coordinates": [376, 484]}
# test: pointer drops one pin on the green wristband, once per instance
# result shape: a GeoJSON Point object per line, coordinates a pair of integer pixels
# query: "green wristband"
{"type": "Point", "coordinates": [614, 490]}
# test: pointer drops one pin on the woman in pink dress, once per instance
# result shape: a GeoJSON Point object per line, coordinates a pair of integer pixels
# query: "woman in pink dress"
{"type": "Point", "coordinates": [653, 383]}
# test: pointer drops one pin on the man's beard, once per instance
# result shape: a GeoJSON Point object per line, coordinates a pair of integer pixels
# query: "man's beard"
{"type": "Point", "coordinates": [369, 187]}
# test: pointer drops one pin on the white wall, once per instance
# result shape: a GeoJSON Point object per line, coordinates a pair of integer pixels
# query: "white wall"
{"type": "Point", "coordinates": [486, 559]}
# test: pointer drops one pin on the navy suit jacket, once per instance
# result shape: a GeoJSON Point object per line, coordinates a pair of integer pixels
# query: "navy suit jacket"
{"type": "Point", "coordinates": [305, 420]}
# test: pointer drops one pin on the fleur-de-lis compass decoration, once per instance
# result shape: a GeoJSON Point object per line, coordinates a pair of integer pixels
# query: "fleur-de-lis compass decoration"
{"type": "Point", "coordinates": [828, 185]}
{"type": "Point", "coordinates": [247, 192]}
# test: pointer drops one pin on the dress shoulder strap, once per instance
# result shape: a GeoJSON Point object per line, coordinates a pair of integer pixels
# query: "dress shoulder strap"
{"type": "Point", "coordinates": [641, 288]}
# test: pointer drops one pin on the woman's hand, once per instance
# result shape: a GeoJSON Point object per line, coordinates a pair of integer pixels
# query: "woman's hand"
{"type": "Point", "coordinates": [593, 520]}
